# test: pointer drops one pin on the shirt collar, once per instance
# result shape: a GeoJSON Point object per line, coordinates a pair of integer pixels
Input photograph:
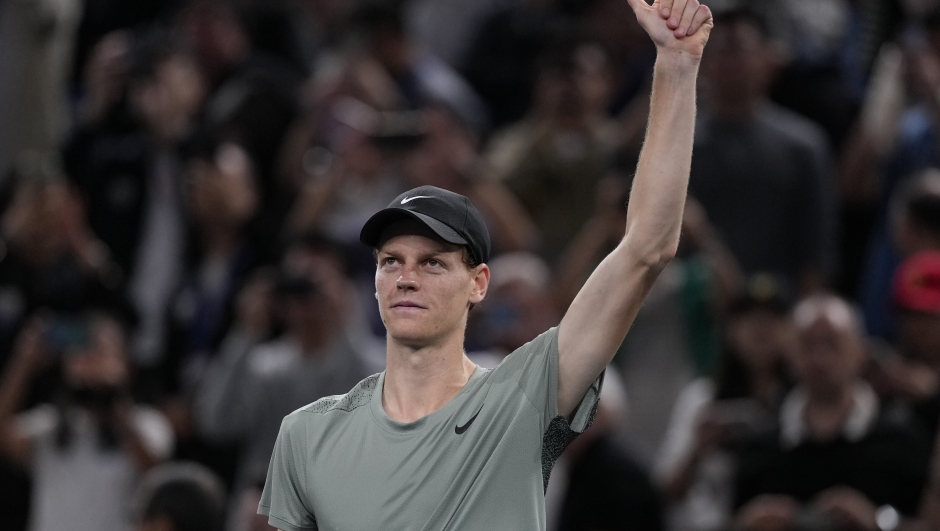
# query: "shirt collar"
{"type": "Point", "coordinates": [861, 419]}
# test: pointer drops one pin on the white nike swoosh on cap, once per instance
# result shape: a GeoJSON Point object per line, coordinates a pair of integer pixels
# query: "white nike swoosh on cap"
{"type": "Point", "coordinates": [405, 200]}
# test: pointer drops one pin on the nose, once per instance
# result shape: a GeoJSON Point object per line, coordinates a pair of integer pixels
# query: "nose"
{"type": "Point", "coordinates": [406, 281]}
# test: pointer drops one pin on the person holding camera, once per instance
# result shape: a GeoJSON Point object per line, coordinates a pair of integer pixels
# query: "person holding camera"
{"type": "Point", "coordinates": [86, 451]}
{"type": "Point", "coordinates": [696, 463]}
{"type": "Point", "coordinates": [326, 347]}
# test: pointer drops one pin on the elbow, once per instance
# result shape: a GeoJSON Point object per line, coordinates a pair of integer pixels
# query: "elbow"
{"type": "Point", "coordinates": [656, 258]}
{"type": "Point", "coordinates": [665, 255]}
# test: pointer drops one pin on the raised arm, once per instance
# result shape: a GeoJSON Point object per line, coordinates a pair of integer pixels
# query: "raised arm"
{"type": "Point", "coordinates": [602, 312]}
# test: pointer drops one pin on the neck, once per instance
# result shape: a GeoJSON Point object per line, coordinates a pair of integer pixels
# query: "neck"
{"type": "Point", "coordinates": [420, 380]}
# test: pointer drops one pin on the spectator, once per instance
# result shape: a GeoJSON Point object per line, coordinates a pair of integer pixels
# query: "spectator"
{"type": "Point", "coordinates": [51, 258]}
{"type": "Point", "coordinates": [762, 173]}
{"type": "Point", "coordinates": [553, 159]}
{"type": "Point", "coordinates": [914, 375]}
{"type": "Point", "coordinates": [87, 450]}
{"type": "Point", "coordinates": [180, 497]}
{"type": "Point", "coordinates": [632, 54]}
{"type": "Point", "coordinates": [129, 170]}
{"type": "Point", "coordinates": [335, 161]}
{"type": "Point", "coordinates": [674, 336]}
{"type": "Point", "coordinates": [913, 226]}
{"type": "Point", "coordinates": [251, 386]}
{"type": "Point", "coordinates": [252, 100]}
{"type": "Point", "coordinates": [836, 448]}
{"type": "Point", "coordinates": [501, 56]}
{"type": "Point", "coordinates": [222, 200]}
{"type": "Point", "coordinates": [894, 141]}
{"type": "Point", "coordinates": [696, 464]}
{"type": "Point", "coordinates": [421, 78]}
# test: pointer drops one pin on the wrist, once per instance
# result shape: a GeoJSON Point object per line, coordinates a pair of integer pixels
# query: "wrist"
{"type": "Point", "coordinates": [677, 61]}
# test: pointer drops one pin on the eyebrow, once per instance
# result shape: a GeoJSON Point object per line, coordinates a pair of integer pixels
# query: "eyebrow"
{"type": "Point", "coordinates": [433, 253]}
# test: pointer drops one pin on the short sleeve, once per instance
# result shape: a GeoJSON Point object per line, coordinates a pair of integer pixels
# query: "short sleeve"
{"type": "Point", "coordinates": [155, 431]}
{"type": "Point", "coordinates": [680, 435]}
{"type": "Point", "coordinates": [535, 367]}
{"type": "Point", "coordinates": [284, 499]}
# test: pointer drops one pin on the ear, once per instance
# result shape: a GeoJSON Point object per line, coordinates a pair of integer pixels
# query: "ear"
{"type": "Point", "coordinates": [481, 281]}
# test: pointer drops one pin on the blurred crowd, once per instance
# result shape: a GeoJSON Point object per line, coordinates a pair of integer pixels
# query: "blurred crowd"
{"type": "Point", "coordinates": [182, 185]}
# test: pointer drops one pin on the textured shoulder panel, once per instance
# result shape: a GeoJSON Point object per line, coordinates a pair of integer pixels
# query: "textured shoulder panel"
{"type": "Point", "coordinates": [357, 396]}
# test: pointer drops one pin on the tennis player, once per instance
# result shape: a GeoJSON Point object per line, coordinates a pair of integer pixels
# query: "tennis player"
{"type": "Point", "coordinates": [435, 442]}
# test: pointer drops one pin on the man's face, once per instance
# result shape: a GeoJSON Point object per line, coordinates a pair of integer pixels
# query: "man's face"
{"type": "Point", "coordinates": [829, 357]}
{"type": "Point", "coordinates": [423, 286]}
{"type": "Point", "coordinates": [324, 309]}
{"type": "Point", "coordinates": [738, 63]}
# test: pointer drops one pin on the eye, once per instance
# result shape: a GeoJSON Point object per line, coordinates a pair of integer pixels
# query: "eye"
{"type": "Point", "coordinates": [388, 260]}
{"type": "Point", "coordinates": [434, 263]}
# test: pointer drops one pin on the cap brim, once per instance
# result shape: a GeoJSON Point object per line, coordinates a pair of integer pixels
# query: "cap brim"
{"type": "Point", "coordinates": [372, 231]}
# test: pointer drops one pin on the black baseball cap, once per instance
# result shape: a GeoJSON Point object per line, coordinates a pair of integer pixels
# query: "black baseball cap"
{"type": "Point", "coordinates": [449, 215]}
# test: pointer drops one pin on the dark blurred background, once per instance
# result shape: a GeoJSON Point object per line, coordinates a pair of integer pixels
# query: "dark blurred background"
{"type": "Point", "coordinates": [182, 185]}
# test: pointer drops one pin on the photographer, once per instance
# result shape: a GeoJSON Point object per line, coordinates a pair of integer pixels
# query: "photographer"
{"type": "Point", "coordinates": [250, 385]}
{"type": "Point", "coordinates": [696, 463]}
{"type": "Point", "coordinates": [85, 451]}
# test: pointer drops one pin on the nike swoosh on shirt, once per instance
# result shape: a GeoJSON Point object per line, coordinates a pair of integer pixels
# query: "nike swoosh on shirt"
{"type": "Point", "coordinates": [460, 429]}
{"type": "Point", "coordinates": [405, 200]}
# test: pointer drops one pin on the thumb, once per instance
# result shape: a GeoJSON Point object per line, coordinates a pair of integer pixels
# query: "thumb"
{"type": "Point", "coordinates": [639, 6]}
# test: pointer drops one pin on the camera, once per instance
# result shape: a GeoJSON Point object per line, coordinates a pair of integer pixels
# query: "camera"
{"type": "Point", "coordinates": [67, 334]}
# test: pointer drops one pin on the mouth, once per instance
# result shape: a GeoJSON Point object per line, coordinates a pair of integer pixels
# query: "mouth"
{"type": "Point", "coordinates": [408, 305]}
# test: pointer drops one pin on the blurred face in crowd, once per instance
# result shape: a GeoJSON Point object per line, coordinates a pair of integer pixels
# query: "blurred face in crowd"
{"type": "Point", "coordinates": [761, 337]}
{"type": "Point", "coordinates": [222, 193]}
{"type": "Point", "coordinates": [920, 337]}
{"type": "Point", "coordinates": [170, 99]}
{"type": "Point", "coordinates": [568, 95]}
{"type": "Point", "coordinates": [423, 284]}
{"type": "Point", "coordinates": [516, 313]}
{"type": "Point", "coordinates": [317, 313]}
{"type": "Point", "coordinates": [738, 66]}
{"type": "Point", "coordinates": [446, 155]}
{"type": "Point", "coordinates": [830, 354]}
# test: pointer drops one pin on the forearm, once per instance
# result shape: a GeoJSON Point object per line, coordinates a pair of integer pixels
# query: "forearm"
{"type": "Point", "coordinates": [654, 214]}
{"type": "Point", "coordinates": [604, 309]}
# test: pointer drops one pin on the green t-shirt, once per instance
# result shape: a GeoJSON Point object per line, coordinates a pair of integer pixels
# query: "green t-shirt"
{"type": "Point", "coordinates": [481, 462]}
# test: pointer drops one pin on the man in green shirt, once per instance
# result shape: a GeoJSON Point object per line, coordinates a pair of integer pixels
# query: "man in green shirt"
{"type": "Point", "coordinates": [435, 442]}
